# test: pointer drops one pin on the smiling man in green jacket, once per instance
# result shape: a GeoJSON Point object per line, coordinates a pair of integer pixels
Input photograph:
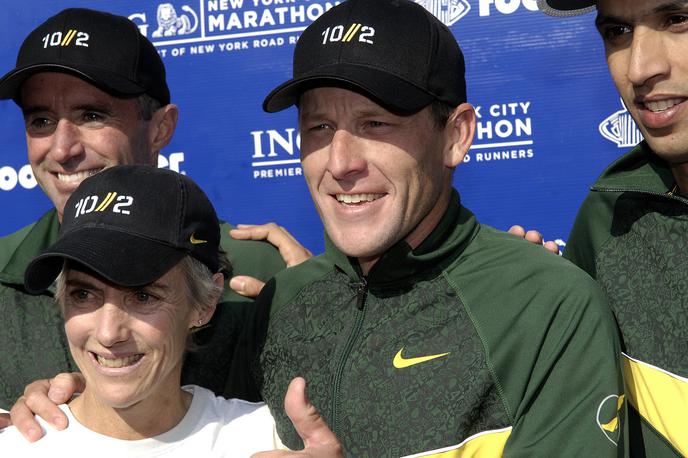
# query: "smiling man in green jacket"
{"type": "Point", "coordinates": [82, 118]}
{"type": "Point", "coordinates": [630, 233]}
{"type": "Point", "coordinates": [420, 331]}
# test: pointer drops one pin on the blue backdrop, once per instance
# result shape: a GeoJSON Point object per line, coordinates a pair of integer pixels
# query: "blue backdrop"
{"type": "Point", "coordinates": [549, 119]}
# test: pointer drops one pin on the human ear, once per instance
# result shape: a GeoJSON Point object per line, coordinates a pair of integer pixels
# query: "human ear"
{"type": "Point", "coordinates": [459, 133]}
{"type": "Point", "coordinates": [161, 128]}
{"type": "Point", "coordinates": [201, 317]}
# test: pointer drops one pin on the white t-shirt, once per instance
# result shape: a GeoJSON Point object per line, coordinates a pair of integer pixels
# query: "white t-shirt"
{"type": "Point", "coordinates": [212, 427]}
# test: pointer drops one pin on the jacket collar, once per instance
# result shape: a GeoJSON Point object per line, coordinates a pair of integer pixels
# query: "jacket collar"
{"type": "Point", "coordinates": [640, 170]}
{"type": "Point", "coordinates": [445, 243]}
{"type": "Point", "coordinates": [20, 248]}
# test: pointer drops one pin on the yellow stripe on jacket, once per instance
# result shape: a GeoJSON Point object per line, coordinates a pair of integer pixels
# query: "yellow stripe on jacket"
{"type": "Point", "coordinates": [661, 398]}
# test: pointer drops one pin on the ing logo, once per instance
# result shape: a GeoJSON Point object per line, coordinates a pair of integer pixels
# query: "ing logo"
{"type": "Point", "coordinates": [447, 11]}
{"type": "Point", "coordinates": [621, 129]}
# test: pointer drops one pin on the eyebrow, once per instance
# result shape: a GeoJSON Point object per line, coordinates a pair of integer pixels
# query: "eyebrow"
{"type": "Point", "coordinates": [104, 108]}
{"type": "Point", "coordinates": [667, 7]}
{"type": "Point", "coordinates": [156, 285]}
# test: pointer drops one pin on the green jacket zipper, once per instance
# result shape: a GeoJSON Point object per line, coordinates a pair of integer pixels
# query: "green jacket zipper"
{"type": "Point", "coordinates": [361, 294]}
{"type": "Point", "coordinates": [674, 197]}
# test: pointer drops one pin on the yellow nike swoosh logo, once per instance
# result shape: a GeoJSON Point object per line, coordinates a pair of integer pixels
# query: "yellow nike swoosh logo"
{"type": "Point", "coordinates": [196, 241]}
{"type": "Point", "coordinates": [400, 362]}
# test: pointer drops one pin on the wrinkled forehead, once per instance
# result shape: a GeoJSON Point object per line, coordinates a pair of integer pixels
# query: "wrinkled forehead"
{"type": "Point", "coordinates": [341, 97]}
{"type": "Point", "coordinates": [45, 87]}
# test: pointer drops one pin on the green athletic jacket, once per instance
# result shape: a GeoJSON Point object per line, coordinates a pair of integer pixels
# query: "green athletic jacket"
{"type": "Point", "coordinates": [631, 234]}
{"type": "Point", "coordinates": [474, 342]}
{"type": "Point", "coordinates": [32, 341]}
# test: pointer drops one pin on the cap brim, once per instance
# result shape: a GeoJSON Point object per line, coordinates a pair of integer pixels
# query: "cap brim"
{"type": "Point", "coordinates": [103, 79]}
{"type": "Point", "coordinates": [388, 90]}
{"type": "Point", "coordinates": [566, 7]}
{"type": "Point", "coordinates": [119, 257]}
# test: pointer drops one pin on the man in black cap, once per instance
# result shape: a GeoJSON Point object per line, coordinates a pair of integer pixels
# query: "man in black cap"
{"type": "Point", "coordinates": [630, 233]}
{"type": "Point", "coordinates": [420, 331]}
{"type": "Point", "coordinates": [93, 93]}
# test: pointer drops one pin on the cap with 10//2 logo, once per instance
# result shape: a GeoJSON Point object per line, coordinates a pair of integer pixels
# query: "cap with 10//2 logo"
{"type": "Point", "coordinates": [117, 225]}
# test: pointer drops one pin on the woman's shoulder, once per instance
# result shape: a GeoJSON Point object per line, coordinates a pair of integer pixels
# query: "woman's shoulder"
{"type": "Point", "coordinates": [11, 440]}
{"type": "Point", "coordinates": [234, 424]}
{"type": "Point", "coordinates": [226, 410]}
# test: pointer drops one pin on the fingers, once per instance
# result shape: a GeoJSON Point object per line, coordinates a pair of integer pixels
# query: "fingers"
{"type": "Point", "coordinates": [63, 386]}
{"type": "Point", "coordinates": [22, 418]}
{"type": "Point", "coordinates": [307, 421]}
{"type": "Point", "coordinates": [41, 398]}
{"type": "Point", "coordinates": [5, 420]}
{"type": "Point", "coordinates": [552, 246]}
{"type": "Point", "coordinates": [534, 237]}
{"type": "Point", "coordinates": [517, 230]}
{"type": "Point", "coordinates": [246, 286]}
{"type": "Point", "coordinates": [319, 441]}
{"type": "Point", "coordinates": [291, 250]}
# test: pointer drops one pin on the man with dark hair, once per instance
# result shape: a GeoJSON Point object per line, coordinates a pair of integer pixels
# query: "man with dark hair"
{"type": "Point", "coordinates": [93, 93]}
{"type": "Point", "coordinates": [420, 331]}
{"type": "Point", "coordinates": [630, 233]}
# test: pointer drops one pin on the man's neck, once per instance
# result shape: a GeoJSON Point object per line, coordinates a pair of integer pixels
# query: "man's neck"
{"type": "Point", "coordinates": [419, 233]}
{"type": "Point", "coordinates": [680, 172]}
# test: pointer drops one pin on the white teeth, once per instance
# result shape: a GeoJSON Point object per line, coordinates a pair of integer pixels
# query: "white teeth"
{"type": "Point", "coordinates": [118, 362]}
{"type": "Point", "coordinates": [661, 105]}
{"type": "Point", "coordinates": [77, 176]}
{"type": "Point", "coordinates": [357, 198]}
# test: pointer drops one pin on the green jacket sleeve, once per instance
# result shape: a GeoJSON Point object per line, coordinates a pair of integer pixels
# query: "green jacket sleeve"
{"type": "Point", "coordinates": [572, 401]}
{"type": "Point", "coordinates": [591, 230]}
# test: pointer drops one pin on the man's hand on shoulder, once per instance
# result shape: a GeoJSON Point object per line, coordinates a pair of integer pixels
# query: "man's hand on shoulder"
{"type": "Point", "coordinates": [5, 420]}
{"type": "Point", "coordinates": [535, 237]}
{"type": "Point", "coordinates": [42, 398]}
{"type": "Point", "coordinates": [291, 250]}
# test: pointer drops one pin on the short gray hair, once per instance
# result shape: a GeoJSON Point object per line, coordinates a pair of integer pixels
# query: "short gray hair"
{"type": "Point", "coordinates": [147, 106]}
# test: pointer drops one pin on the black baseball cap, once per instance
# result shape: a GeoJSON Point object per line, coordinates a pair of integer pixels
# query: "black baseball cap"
{"type": "Point", "coordinates": [394, 51]}
{"type": "Point", "coordinates": [106, 50]}
{"type": "Point", "coordinates": [566, 7]}
{"type": "Point", "coordinates": [131, 224]}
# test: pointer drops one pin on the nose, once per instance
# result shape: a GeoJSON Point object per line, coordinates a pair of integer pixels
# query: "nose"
{"type": "Point", "coordinates": [112, 324]}
{"type": "Point", "coordinates": [66, 142]}
{"type": "Point", "coordinates": [345, 158]}
{"type": "Point", "coordinates": [649, 58]}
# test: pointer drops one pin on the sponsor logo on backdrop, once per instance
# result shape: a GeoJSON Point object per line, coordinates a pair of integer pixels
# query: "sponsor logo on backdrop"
{"type": "Point", "coordinates": [621, 129]}
{"type": "Point", "coordinates": [487, 7]}
{"type": "Point", "coordinates": [11, 178]}
{"type": "Point", "coordinates": [275, 153]}
{"type": "Point", "coordinates": [504, 132]}
{"type": "Point", "coordinates": [447, 11]}
{"type": "Point", "coordinates": [171, 24]}
{"type": "Point", "coordinates": [187, 28]}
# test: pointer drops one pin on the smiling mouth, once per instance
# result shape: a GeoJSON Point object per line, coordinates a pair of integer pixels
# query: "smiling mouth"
{"type": "Point", "coordinates": [77, 176]}
{"type": "Point", "coordinates": [662, 105]}
{"type": "Point", "coordinates": [118, 362]}
{"type": "Point", "coordinates": [357, 198]}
